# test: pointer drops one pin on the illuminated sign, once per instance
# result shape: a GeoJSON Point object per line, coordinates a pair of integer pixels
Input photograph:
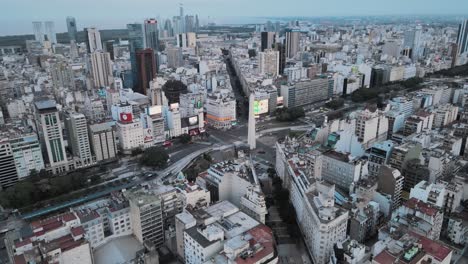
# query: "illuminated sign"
{"type": "Point", "coordinates": [174, 106]}
{"type": "Point", "coordinates": [155, 110]}
{"type": "Point", "coordinates": [260, 107]}
{"type": "Point", "coordinates": [148, 135]}
{"type": "Point", "coordinates": [126, 117]}
{"type": "Point", "coordinates": [193, 120]}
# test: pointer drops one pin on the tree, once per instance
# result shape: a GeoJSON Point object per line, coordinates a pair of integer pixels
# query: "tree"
{"type": "Point", "coordinates": [136, 152]}
{"type": "Point", "coordinates": [335, 104]}
{"type": "Point", "coordinates": [185, 139]}
{"type": "Point", "coordinates": [154, 157]}
{"type": "Point", "coordinates": [289, 114]}
{"type": "Point", "coordinates": [207, 157]}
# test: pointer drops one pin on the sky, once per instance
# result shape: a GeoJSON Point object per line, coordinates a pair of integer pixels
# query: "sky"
{"type": "Point", "coordinates": [16, 15]}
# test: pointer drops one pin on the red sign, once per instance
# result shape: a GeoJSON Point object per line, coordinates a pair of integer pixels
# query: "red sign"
{"type": "Point", "coordinates": [126, 117]}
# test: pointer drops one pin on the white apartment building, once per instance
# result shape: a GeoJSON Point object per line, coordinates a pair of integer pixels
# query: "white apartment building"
{"type": "Point", "coordinates": [78, 138]}
{"type": "Point", "coordinates": [220, 111]}
{"type": "Point", "coordinates": [8, 174]}
{"type": "Point", "coordinates": [50, 131]}
{"type": "Point", "coordinates": [130, 134]}
{"type": "Point", "coordinates": [173, 121]}
{"type": "Point", "coordinates": [27, 154]}
{"type": "Point", "coordinates": [419, 217]}
{"type": "Point", "coordinates": [445, 115]}
{"type": "Point", "coordinates": [194, 196]}
{"type": "Point", "coordinates": [101, 65]}
{"type": "Point", "coordinates": [432, 193]}
{"type": "Point", "coordinates": [103, 141]}
{"type": "Point", "coordinates": [268, 62]}
{"type": "Point", "coordinates": [342, 170]}
{"type": "Point", "coordinates": [457, 230]}
{"type": "Point", "coordinates": [253, 204]}
{"type": "Point", "coordinates": [146, 216]}
{"type": "Point", "coordinates": [93, 39]}
{"type": "Point", "coordinates": [371, 127]}
{"type": "Point", "coordinates": [323, 224]}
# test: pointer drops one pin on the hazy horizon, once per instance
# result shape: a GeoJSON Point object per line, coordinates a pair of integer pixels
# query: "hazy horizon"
{"type": "Point", "coordinates": [113, 14]}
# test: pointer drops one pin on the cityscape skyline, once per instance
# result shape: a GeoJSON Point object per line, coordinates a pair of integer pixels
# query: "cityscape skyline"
{"type": "Point", "coordinates": [234, 132]}
{"type": "Point", "coordinates": [119, 14]}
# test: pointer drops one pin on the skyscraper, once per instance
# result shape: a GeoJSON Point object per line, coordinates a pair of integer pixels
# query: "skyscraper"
{"type": "Point", "coordinates": [189, 23]}
{"type": "Point", "coordinates": [102, 68]}
{"type": "Point", "coordinates": [280, 47]}
{"type": "Point", "coordinates": [152, 34]}
{"type": "Point", "coordinates": [174, 57]}
{"type": "Point", "coordinates": [135, 42]}
{"type": "Point", "coordinates": [251, 137]}
{"type": "Point", "coordinates": [268, 62]}
{"type": "Point", "coordinates": [462, 39]}
{"type": "Point", "coordinates": [197, 24]}
{"type": "Point", "coordinates": [168, 28]}
{"type": "Point", "coordinates": [71, 28]}
{"type": "Point", "coordinates": [93, 39]}
{"type": "Point", "coordinates": [268, 39]}
{"type": "Point", "coordinates": [146, 69]}
{"type": "Point", "coordinates": [413, 41]}
{"type": "Point", "coordinates": [38, 31]}
{"type": "Point", "coordinates": [78, 138]}
{"type": "Point", "coordinates": [50, 32]}
{"type": "Point", "coordinates": [109, 47]}
{"type": "Point", "coordinates": [182, 19]}
{"type": "Point", "coordinates": [50, 132]}
{"type": "Point", "coordinates": [292, 42]}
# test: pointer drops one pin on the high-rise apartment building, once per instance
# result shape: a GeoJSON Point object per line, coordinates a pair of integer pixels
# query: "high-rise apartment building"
{"type": "Point", "coordinates": [38, 31]}
{"type": "Point", "coordinates": [462, 38]}
{"type": "Point", "coordinates": [102, 68]}
{"type": "Point", "coordinates": [93, 39]}
{"type": "Point", "coordinates": [267, 40]}
{"type": "Point", "coordinates": [292, 42]}
{"type": "Point", "coordinates": [27, 154]}
{"type": "Point", "coordinates": [146, 212]}
{"type": "Point", "coordinates": [268, 62]}
{"type": "Point", "coordinates": [50, 32]}
{"type": "Point", "coordinates": [8, 174]}
{"type": "Point", "coordinates": [103, 141]}
{"type": "Point", "coordinates": [50, 132]}
{"type": "Point", "coordinates": [71, 28]}
{"type": "Point", "coordinates": [146, 69]}
{"type": "Point", "coordinates": [413, 42]}
{"type": "Point", "coordinates": [174, 57]}
{"type": "Point", "coordinates": [305, 92]}
{"type": "Point", "coordinates": [78, 139]}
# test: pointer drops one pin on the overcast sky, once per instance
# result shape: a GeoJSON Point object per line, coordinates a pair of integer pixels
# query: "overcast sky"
{"type": "Point", "coordinates": [16, 15]}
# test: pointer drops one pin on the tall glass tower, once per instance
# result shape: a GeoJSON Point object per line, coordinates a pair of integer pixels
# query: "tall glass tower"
{"type": "Point", "coordinates": [71, 27]}
{"type": "Point", "coordinates": [50, 32]}
{"type": "Point", "coordinates": [38, 31]}
{"type": "Point", "coordinates": [152, 34]}
{"type": "Point", "coordinates": [136, 41]}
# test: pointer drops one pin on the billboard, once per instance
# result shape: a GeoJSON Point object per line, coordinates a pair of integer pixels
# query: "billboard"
{"type": "Point", "coordinates": [260, 106]}
{"type": "Point", "coordinates": [174, 106]}
{"type": "Point", "coordinates": [280, 101]}
{"type": "Point", "coordinates": [193, 120]}
{"type": "Point", "coordinates": [126, 117]}
{"type": "Point", "coordinates": [148, 135]}
{"type": "Point", "coordinates": [154, 110]}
